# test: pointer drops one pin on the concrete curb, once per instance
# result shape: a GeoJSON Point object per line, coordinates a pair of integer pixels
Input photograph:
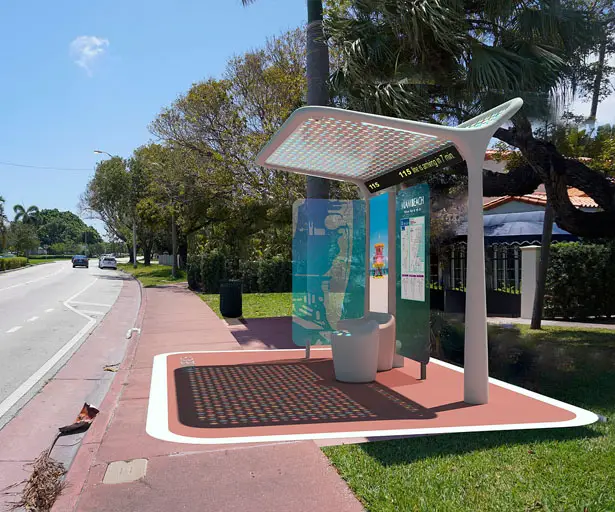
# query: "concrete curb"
{"type": "Point", "coordinates": [79, 470]}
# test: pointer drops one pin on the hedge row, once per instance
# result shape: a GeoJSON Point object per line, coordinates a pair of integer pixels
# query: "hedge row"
{"type": "Point", "coordinates": [580, 281]}
{"type": "Point", "coordinates": [11, 263]}
{"type": "Point", "coordinates": [205, 272]}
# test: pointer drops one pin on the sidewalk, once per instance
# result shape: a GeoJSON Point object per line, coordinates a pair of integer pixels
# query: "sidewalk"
{"type": "Point", "coordinates": [82, 379]}
{"type": "Point", "coordinates": [273, 477]}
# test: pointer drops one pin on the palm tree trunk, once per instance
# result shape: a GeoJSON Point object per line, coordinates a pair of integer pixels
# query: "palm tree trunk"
{"type": "Point", "coordinates": [598, 82]}
{"type": "Point", "coordinates": [317, 71]}
{"type": "Point", "coordinates": [541, 280]}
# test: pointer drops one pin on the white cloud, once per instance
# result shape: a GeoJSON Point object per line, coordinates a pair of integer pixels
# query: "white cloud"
{"type": "Point", "coordinates": [85, 50]}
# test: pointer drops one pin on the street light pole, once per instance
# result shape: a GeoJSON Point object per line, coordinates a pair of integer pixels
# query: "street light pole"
{"type": "Point", "coordinates": [134, 242]}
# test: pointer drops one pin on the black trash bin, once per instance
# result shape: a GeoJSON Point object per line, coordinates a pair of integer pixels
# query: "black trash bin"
{"type": "Point", "coordinates": [230, 298]}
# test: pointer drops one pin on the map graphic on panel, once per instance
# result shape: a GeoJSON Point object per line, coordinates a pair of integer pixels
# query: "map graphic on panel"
{"type": "Point", "coordinates": [328, 267]}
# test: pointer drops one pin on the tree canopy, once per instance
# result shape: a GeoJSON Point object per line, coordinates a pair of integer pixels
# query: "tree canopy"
{"type": "Point", "coordinates": [56, 227]}
{"type": "Point", "coordinates": [446, 61]}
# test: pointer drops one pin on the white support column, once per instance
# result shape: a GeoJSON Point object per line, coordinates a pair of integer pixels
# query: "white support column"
{"type": "Point", "coordinates": [366, 197]}
{"type": "Point", "coordinates": [530, 257]}
{"type": "Point", "coordinates": [398, 359]}
{"type": "Point", "coordinates": [476, 364]}
{"type": "Point", "coordinates": [392, 251]}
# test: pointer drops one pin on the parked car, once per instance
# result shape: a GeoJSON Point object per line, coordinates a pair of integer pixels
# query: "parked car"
{"type": "Point", "coordinates": [107, 262]}
{"type": "Point", "coordinates": [80, 261]}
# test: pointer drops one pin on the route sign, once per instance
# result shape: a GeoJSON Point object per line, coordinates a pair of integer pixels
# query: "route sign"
{"type": "Point", "coordinates": [433, 162]}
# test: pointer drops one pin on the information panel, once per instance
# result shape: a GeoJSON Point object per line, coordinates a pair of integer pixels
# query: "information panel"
{"type": "Point", "coordinates": [434, 162]}
{"type": "Point", "coordinates": [412, 309]}
{"type": "Point", "coordinates": [328, 267]}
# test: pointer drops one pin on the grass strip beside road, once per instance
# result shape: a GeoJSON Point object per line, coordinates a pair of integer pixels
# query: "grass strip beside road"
{"type": "Point", "coordinates": [39, 261]}
{"type": "Point", "coordinates": [256, 305]}
{"type": "Point", "coordinates": [153, 275]}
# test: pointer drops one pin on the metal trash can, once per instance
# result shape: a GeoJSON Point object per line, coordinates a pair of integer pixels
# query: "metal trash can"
{"type": "Point", "coordinates": [230, 298]}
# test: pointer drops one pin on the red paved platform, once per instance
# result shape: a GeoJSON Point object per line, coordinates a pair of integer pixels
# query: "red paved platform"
{"type": "Point", "coordinates": [275, 395]}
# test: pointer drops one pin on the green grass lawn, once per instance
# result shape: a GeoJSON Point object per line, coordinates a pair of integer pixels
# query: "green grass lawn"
{"type": "Point", "coordinates": [153, 275]}
{"type": "Point", "coordinates": [541, 470]}
{"type": "Point", "coordinates": [256, 305]}
{"type": "Point", "coordinates": [571, 336]}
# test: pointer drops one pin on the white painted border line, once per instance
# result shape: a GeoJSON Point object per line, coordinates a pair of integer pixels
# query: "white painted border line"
{"type": "Point", "coordinates": [16, 395]}
{"type": "Point", "coordinates": [89, 303]}
{"type": "Point", "coordinates": [157, 424]}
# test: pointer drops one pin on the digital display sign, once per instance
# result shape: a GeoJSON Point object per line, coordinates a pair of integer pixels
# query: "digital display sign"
{"type": "Point", "coordinates": [433, 162]}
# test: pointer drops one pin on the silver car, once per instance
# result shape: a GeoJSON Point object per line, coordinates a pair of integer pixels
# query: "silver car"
{"type": "Point", "coordinates": [107, 261]}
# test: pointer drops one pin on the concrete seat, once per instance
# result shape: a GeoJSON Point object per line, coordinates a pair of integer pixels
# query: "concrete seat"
{"type": "Point", "coordinates": [386, 344]}
{"type": "Point", "coordinates": [355, 350]}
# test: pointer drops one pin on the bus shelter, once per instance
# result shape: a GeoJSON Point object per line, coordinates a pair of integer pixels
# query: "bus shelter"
{"type": "Point", "coordinates": [379, 154]}
{"type": "Point", "coordinates": [269, 395]}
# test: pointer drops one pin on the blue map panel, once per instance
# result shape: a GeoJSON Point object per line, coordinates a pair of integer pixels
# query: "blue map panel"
{"type": "Point", "coordinates": [328, 267]}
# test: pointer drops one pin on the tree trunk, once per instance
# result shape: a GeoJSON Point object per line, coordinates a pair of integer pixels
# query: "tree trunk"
{"type": "Point", "coordinates": [317, 70]}
{"type": "Point", "coordinates": [147, 254]}
{"type": "Point", "coordinates": [174, 244]}
{"type": "Point", "coordinates": [182, 250]}
{"type": "Point", "coordinates": [130, 254]}
{"type": "Point", "coordinates": [541, 280]}
{"type": "Point", "coordinates": [597, 83]}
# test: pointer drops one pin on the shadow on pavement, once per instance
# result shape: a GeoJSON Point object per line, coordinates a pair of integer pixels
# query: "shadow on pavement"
{"type": "Point", "coordinates": [271, 333]}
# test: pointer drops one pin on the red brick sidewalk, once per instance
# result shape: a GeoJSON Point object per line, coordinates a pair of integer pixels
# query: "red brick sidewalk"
{"type": "Point", "coordinates": [261, 477]}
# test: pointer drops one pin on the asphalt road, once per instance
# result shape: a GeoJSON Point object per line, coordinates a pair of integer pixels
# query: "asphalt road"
{"type": "Point", "coordinates": [46, 312]}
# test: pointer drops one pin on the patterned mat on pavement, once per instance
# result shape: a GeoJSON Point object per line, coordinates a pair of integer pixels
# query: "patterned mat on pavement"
{"type": "Point", "coordinates": [282, 393]}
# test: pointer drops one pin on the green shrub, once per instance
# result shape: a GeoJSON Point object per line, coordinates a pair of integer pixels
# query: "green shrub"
{"type": "Point", "coordinates": [249, 274]}
{"type": "Point", "coordinates": [193, 272]}
{"type": "Point", "coordinates": [580, 281]}
{"type": "Point", "coordinates": [213, 270]}
{"type": "Point", "coordinates": [205, 271]}
{"type": "Point", "coordinates": [275, 275]}
{"type": "Point", "coordinates": [11, 263]}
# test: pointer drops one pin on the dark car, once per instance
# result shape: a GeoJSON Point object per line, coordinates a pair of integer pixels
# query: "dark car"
{"type": "Point", "coordinates": [80, 261]}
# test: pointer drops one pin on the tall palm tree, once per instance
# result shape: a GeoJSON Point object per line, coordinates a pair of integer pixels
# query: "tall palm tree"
{"type": "Point", "coordinates": [26, 215]}
{"type": "Point", "coordinates": [317, 71]}
{"type": "Point", "coordinates": [3, 225]}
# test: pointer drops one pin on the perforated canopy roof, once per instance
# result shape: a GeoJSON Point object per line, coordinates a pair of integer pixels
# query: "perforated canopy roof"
{"type": "Point", "coordinates": [353, 146]}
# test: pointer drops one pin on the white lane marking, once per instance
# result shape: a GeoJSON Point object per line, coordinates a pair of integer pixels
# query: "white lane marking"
{"type": "Point", "coordinates": [49, 310]}
{"type": "Point", "coordinates": [13, 329]}
{"type": "Point", "coordinates": [90, 303]}
{"type": "Point", "coordinates": [91, 312]}
{"type": "Point", "coordinates": [33, 280]}
{"type": "Point", "coordinates": [32, 319]}
{"type": "Point", "coordinates": [16, 395]}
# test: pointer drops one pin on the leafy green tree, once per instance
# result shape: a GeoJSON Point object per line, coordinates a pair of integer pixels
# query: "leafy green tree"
{"type": "Point", "coordinates": [22, 238]}
{"type": "Point", "coordinates": [317, 73]}
{"type": "Point", "coordinates": [26, 215]}
{"type": "Point", "coordinates": [446, 61]}
{"type": "Point", "coordinates": [219, 126]}
{"type": "Point", "coordinates": [56, 227]}
{"type": "Point", "coordinates": [109, 194]}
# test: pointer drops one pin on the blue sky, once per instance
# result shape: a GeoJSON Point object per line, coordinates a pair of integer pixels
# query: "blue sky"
{"type": "Point", "coordinates": [79, 76]}
{"type": "Point", "coordinates": [128, 59]}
